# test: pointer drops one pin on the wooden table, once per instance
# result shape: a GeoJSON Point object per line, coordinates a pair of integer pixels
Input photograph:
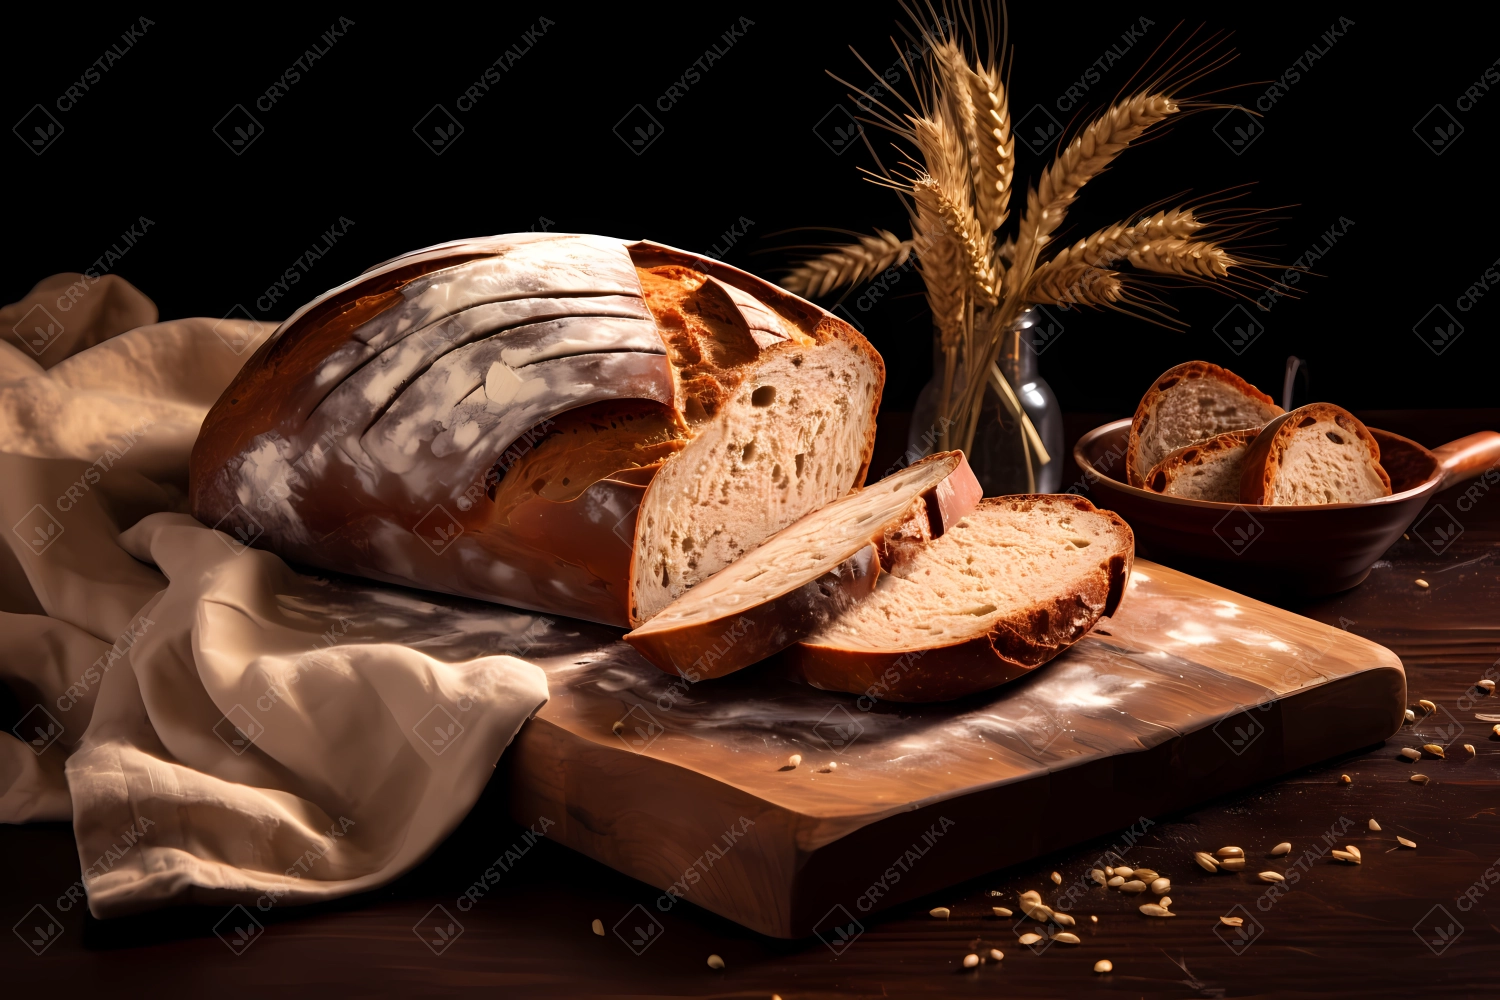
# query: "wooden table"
{"type": "Point", "coordinates": [1338, 930]}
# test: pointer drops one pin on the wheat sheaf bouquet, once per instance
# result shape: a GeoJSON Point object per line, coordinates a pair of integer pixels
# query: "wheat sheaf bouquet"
{"type": "Point", "coordinates": [955, 179]}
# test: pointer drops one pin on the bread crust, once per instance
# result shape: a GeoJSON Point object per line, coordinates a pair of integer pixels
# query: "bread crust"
{"type": "Point", "coordinates": [1165, 381]}
{"type": "Point", "coordinates": [558, 551]}
{"type": "Point", "coordinates": [1169, 468]}
{"type": "Point", "coordinates": [1010, 647]}
{"type": "Point", "coordinates": [1263, 460]}
{"type": "Point", "coordinates": [744, 636]}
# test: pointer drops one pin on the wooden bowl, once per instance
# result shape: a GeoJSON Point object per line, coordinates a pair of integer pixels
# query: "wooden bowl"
{"type": "Point", "coordinates": [1302, 550]}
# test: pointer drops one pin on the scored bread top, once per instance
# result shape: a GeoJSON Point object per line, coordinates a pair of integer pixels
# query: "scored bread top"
{"type": "Point", "coordinates": [1189, 403]}
{"type": "Point", "coordinates": [1030, 573]}
{"type": "Point", "coordinates": [1317, 454]}
{"type": "Point", "coordinates": [1208, 470]}
{"type": "Point", "coordinates": [812, 546]}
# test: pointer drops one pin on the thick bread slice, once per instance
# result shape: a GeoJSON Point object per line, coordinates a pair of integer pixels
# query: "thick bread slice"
{"type": "Point", "coordinates": [795, 581]}
{"type": "Point", "coordinates": [1000, 593]}
{"type": "Point", "coordinates": [1187, 404]}
{"type": "Point", "coordinates": [1208, 470]}
{"type": "Point", "coordinates": [1317, 454]}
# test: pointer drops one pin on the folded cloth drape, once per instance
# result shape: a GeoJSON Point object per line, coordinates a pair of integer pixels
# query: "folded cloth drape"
{"type": "Point", "coordinates": [219, 727]}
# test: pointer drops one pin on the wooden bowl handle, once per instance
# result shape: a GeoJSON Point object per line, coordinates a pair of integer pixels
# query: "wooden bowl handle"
{"type": "Point", "coordinates": [1468, 456]}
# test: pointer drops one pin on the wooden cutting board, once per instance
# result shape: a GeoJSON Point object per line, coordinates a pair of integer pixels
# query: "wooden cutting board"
{"type": "Point", "coordinates": [1189, 692]}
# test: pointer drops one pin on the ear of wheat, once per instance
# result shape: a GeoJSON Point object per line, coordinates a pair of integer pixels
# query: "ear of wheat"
{"type": "Point", "coordinates": [848, 264]}
{"type": "Point", "coordinates": [956, 183]}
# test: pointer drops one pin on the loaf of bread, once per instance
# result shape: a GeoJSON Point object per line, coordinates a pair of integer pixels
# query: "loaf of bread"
{"type": "Point", "coordinates": [1207, 470]}
{"type": "Point", "coordinates": [571, 424]}
{"type": "Point", "coordinates": [1187, 404]}
{"type": "Point", "coordinates": [1316, 454]}
{"type": "Point", "coordinates": [1007, 588]}
{"type": "Point", "coordinates": [806, 573]}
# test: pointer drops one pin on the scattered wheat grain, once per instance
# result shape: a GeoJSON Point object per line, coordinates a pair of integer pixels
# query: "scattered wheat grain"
{"type": "Point", "coordinates": [715, 962]}
{"type": "Point", "coordinates": [1161, 886]}
{"type": "Point", "coordinates": [598, 927]}
{"type": "Point", "coordinates": [1406, 843]}
{"type": "Point", "coordinates": [1001, 911]}
{"type": "Point", "coordinates": [1029, 938]}
{"type": "Point", "coordinates": [940, 912]}
{"type": "Point", "coordinates": [1285, 847]}
{"type": "Point", "coordinates": [1230, 852]}
{"type": "Point", "coordinates": [970, 961]}
{"type": "Point", "coordinates": [1104, 965]}
{"type": "Point", "coordinates": [1206, 861]}
{"type": "Point", "coordinates": [1156, 910]}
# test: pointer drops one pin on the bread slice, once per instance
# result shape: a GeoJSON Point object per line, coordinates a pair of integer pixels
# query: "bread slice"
{"type": "Point", "coordinates": [1187, 404]}
{"type": "Point", "coordinates": [796, 580]}
{"type": "Point", "coordinates": [1317, 454]}
{"type": "Point", "coordinates": [1000, 593]}
{"type": "Point", "coordinates": [1208, 470]}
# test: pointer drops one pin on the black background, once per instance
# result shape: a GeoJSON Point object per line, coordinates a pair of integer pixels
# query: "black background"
{"type": "Point", "coordinates": [740, 144]}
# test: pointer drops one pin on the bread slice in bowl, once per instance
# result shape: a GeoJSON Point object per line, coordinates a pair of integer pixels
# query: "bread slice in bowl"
{"type": "Point", "coordinates": [800, 577]}
{"type": "Point", "coordinates": [1016, 582]}
{"type": "Point", "coordinates": [1187, 404]}
{"type": "Point", "coordinates": [1317, 454]}
{"type": "Point", "coordinates": [1207, 470]}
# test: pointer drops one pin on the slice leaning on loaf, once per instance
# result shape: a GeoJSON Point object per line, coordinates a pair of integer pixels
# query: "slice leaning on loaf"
{"type": "Point", "coordinates": [1016, 582]}
{"type": "Point", "coordinates": [1208, 470]}
{"type": "Point", "coordinates": [1187, 404]}
{"type": "Point", "coordinates": [800, 577]}
{"type": "Point", "coordinates": [1317, 454]}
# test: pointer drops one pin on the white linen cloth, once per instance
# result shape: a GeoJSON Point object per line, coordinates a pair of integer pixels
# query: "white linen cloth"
{"type": "Point", "coordinates": [219, 727]}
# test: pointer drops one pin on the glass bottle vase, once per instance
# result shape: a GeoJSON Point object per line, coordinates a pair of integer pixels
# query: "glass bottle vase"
{"type": "Point", "coordinates": [1003, 458]}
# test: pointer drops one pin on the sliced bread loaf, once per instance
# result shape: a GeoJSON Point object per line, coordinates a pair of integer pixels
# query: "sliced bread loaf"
{"type": "Point", "coordinates": [1000, 593]}
{"type": "Point", "coordinates": [1187, 404]}
{"type": "Point", "coordinates": [800, 577]}
{"type": "Point", "coordinates": [1208, 470]}
{"type": "Point", "coordinates": [1317, 454]}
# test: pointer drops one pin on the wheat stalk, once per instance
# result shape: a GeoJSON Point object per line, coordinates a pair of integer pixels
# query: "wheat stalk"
{"type": "Point", "coordinates": [1184, 258]}
{"type": "Point", "coordinates": [1083, 159]}
{"type": "Point", "coordinates": [848, 264]}
{"type": "Point", "coordinates": [1074, 283]}
{"type": "Point", "coordinates": [941, 262]}
{"type": "Point", "coordinates": [948, 171]}
{"type": "Point", "coordinates": [992, 162]}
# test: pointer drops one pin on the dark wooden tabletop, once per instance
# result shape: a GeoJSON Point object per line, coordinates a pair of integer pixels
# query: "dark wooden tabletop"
{"type": "Point", "coordinates": [1407, 922]}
